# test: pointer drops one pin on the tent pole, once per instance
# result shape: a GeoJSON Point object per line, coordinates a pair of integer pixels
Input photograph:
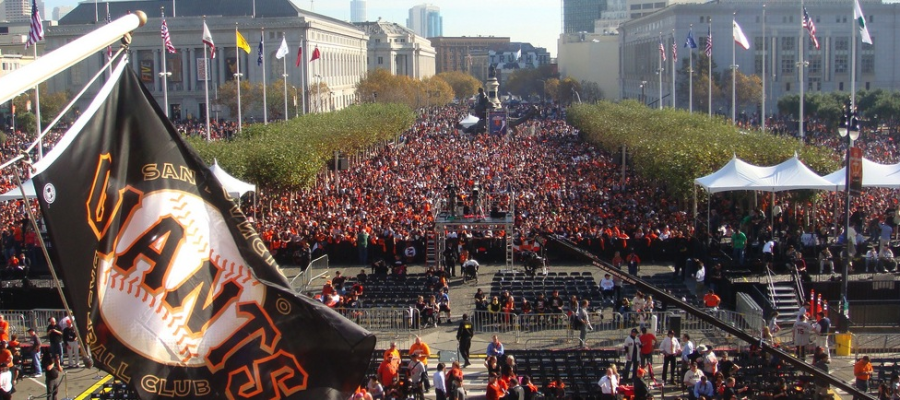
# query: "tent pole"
{"type": "Point", "coordinates": [708, 202]}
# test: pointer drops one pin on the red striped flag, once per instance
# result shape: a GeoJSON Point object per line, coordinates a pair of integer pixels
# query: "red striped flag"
{"type": "Point", "coordinates": [662, 50]}
{"type": "Point", "coordinates": [709, 41]}
{"type": "Point", "coordinates": [811, 27]}
{"type": "Point", "coordinates": [36, 33]}
{"type": "Point", "coordinates": [164, 34]}
{"type": "Point", "coordinates": [299, 55]}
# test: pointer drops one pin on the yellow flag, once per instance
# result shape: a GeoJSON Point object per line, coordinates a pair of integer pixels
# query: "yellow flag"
{"type": "Point", "coordinates": [242, 43]}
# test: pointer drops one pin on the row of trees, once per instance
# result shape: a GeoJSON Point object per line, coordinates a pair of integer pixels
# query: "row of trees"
{"type": "Point", "coordinates": [289, 154]}
{"type": "Point", "coordinates": [542, 83]}
{"type": "Point", "coordinates": [383, 87]}
{"type": "Point", "coordinates": [674, 147]}
{"type": "Point", "coordinates": [748, 88]}
{"type": "Point", "coordinates": [876, 107]}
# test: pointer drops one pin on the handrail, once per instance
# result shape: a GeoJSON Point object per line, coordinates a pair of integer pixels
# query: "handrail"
{"type": "Point", "coordinates": [798, 285]}
{"type": "Point", "coordinates": [771, 285]}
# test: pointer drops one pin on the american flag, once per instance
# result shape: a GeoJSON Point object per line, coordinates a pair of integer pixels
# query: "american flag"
{"type": "Point", "coordinates": [709, 41]}
{"type": "Point", "coordinates": [810, 26]}
{"type": "Point", "coordinates": [36, 33]}
{"type": "Point", "coordinates": [662, 50]}
{"type": "Point", "coordinates": [164, 33]}
{"type": "Point", "coordinates": [674, 49]}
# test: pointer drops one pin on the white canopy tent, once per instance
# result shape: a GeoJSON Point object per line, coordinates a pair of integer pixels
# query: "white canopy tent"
{"type": "Point", "coordinates": [874, 175]}
{"type": "Point", "coordinates": [792, 174]}
{"type": "Point", "coordinates": [235, 187]}
{"type": "Point", "coordinates": [16, 194]}
{"type": "Point", "coordinates": [469, 121]}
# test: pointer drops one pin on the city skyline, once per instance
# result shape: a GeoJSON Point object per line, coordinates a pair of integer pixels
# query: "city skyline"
{"type": "Point", "coordinates": [534, 21]}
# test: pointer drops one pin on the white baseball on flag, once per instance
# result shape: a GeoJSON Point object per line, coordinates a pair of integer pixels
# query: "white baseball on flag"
{"type": "Point", "coordinates": [283, 50]}
{"type": "Point", "coordinates": [739, 37]}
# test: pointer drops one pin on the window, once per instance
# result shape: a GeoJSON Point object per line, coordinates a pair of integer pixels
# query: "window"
{"type": "Point", "coordinates": [377, 40]}
{"type": "Point", "coordinates": [840, 64]}
{"type": "Point", "coordinates": [841, 43]}
{"type": "Point", "coordinates": [815, 65]}
{"type": "Point", "coordinates": [867, 86]}
{"type": "Point", "coordinates": [787, 64]}
{"type": "Point", "coordinates": [660, 5]}
{"type": "Point", "coordinates": [638, 7]}
{"type": "Point", "coordinates": [787, 87]}
{"type": "Point", "coordinates": [380, 60]}
{"type": "Point", "coordinates": [841, 86]}
{"type": "Point", "coordinates": [787, 44]}
{"type": "Point", "coordinates": [868, 63]}
{"type": "Point", "coordinates": [758, 43]}
{"type": "Point", "coordinates": [757, 65]}
{"type": "Point", "coordinates": [702, 19]}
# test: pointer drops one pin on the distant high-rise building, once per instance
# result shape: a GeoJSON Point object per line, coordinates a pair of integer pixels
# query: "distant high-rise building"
{"type": "Point", "coordinates": [19, 10]}
{"type": "Point", "coordinates": [425, 20]}
{"type": "Point", "coordinates": [579, 15]}
{"type": "Point", "coordinates": [358, 11]}
{"type": "Point", "coordinates": [61, 11]}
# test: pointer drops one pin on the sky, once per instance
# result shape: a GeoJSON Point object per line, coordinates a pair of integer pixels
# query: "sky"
{"type": "Point", "coordinates": [535, 21]}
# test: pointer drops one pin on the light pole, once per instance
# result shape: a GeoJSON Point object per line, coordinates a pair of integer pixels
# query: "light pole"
{"type": "Point", "coordinates": [643, 101]}
{"type": "Point", "coordinates": [165, 78]}
{"type": "Point", "coordinates": [318, 93]}
{"type": "Point", "coordinates": [848, 128]}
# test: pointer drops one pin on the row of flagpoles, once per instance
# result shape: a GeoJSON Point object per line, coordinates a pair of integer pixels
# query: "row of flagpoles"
{"type": "Point", "coordinates": [739, 38]}
{"type": "Point", "coordinates": [242, 44]}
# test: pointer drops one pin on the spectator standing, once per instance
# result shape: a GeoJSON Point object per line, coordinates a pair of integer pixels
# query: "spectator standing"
{"type": "Point", "coordinates": [670, 348]}
{"type": "Point", "coordinates": [648, 345]}
{"type": "Point", "coordinates": [464, 335]}
{"type": "Point", "coordinates": [439, 383]}
{"type": "Point", "coordinates": [632, 351]}
{"type": "Point", "coordinates": [34, 349]}
{"type": "Point", "coordinates": [421, 349]}
{"type": "Point", "coordinates": [362, 246]}
{"type": "Point", "coordinates": [826, 263]}
{"type": "Point", "coordinates": [739, 244]}
{"type": "Point", "coordinates": [55, 337]}
{"type": "Point", "coordinates": [609, 385]}
{"type": "Point", "coordinates": [699, 277]}
{"type": "Point", "coordinates": [494, 391]}
{"type": "Point", "coordinates": [823, 328]}
{"type": "Point", "coordinates": [416, 371]}
{"type": "Point", "coordinates": [6, 356]}
{"type": "Point", "coordinates": [634, 263]}
{"type": "Point", "coordinates": [6, 383]}
{"type": "Point", "coordinates": [454, 382]}
{"type": "Point", "coordinates": [802, 332]}
{"type": "Point", "coordinates": [687, 350]}
{"type": "Point", "coordinates": [641, 391]}
{"type": "Point", "coordinates": [54, 375]}
{"type": "Point", "coordinates": [711, 300]}
{"type": "Point", "coordinates": [863, 370]}
{"type": "Point", "coordinates": [585, 321]}
{"type": "Point", "coordinates": [710, 361]}
{"type": "Point", "coordinates": [4, 329]}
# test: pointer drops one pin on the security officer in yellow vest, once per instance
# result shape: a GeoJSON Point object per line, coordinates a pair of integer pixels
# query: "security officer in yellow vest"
{"type": "Point", "coordinates": [464, 335]}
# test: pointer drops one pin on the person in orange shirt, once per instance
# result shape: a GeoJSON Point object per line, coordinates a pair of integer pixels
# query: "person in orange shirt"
{"type": "Point", "coordinates": [494, 390]}
{"type": "Point", "coordinates": [863, 371]}
{"type": "Point", "coordinates": [392, 353]}
{"type": "Point", "coordinates": [711, 300]}
{"type": "Point", "coordinates": [4, 329]}
{"type": "Point", "coordinates": [421, 348]}
{"type": "Point", "coordinates": [6, 356]}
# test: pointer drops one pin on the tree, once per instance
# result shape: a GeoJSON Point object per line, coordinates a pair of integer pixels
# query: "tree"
{"type": "Point", "coordinates": [551, 87]}
{"type": "Point", "coordinates": [701, 82]}
{"type": "Point", "coordinates": [250, 96]}
{"type": "Point", "coordinates": [748, 90]}
{"type": "Point", "coordinates": [51, 103]}
{"type": "Point", "coordinates": [527, 82]}
{"type": "Point", "coordinates": [567, 89]}
{"type": "Point", "coordinates": [463, 84]}
{"type": "Point", "coordinates": [591, 92]}
{"type": "Point", "coordinates": [275, 100]}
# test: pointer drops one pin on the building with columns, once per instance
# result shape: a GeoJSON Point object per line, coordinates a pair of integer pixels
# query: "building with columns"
{"type": "Point", "coordinates": [827, 68]}
{"type": "Point", "coordinates": [342, 49]}
{"type": "Point", "coordinates": [398, 49]}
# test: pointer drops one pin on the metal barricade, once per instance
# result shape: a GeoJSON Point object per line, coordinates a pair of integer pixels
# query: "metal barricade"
{"type": "Point", "coordinates": [384, 320]}
{"type": "Point", "coordinates": [547, 326]}
{"type": "Point", "coordinates": [498, 323]}
{"type": "Point", "coordinates": [40, 317]}
{"type": "Point", "coordinates": [17, 321]}
{"type": "Point", "coordinates": [318, 268]}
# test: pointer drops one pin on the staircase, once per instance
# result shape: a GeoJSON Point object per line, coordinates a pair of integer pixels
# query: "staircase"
{"type": "Point", "coordinates": [783, 296]}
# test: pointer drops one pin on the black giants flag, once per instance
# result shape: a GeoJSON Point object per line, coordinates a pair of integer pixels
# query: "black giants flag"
{"type": "Point", "coordinates": [172, 289]}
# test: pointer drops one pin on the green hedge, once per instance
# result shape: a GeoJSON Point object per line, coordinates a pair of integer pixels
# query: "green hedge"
{"type": "Point", "coordinates": [289, 154]}
{"type": "Point", "coordinates": [675, 147]}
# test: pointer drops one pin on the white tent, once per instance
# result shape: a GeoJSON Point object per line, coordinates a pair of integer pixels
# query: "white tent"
{"type": "Point", "coordinates": [16, 194]}
{"type": "Point", "coordinates": [469, 121]}
{"type": "Point", "coordinates": [740, 175]}
{"type": "Point", "coordinates": [235, 187]}
{"type": "Point", "coordinates": [874, 175]}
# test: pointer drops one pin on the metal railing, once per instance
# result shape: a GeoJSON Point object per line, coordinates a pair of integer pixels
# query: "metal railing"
{"type": "Point", "coordinates": [318, 268]}
{"type": "Point", "coordinates": [21, 320]}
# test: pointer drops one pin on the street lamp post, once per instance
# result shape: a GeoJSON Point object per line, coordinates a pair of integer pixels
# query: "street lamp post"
{"type": "Point", "coordinates": [848, 128]}
{"type": "Point", "coordinates": [643, 100]}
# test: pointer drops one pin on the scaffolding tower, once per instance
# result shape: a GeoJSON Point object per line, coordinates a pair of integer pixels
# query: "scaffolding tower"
{"type": "Point", "coordinates": [477, 212]}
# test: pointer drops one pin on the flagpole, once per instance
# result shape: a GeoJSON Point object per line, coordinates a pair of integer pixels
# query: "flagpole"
{"type": "Point", "coordinates": [691, 74]}
{"type": "Point", "coordinates": [262, 42]}
{"type": "Point", "coordinates": [237, 53]}
{"type": "Point", "coordinates": [660, 73]}
{"type": "Point", "coordinates": [37, 110]}
{"type": "Point", "coordinates": [165, 72]}
{"type": "Point", "coordinates": [855, 26]}
{"type": "Point", "coordinates": [674, 50]}
{"type": "Point", "coordinates": [762, 119]}
{"type": "Point", "coordinates": [285, 76]}
{"type": "Point", "coordinates": [206, 82]}
{"type": "Point", "coordinates": [733, 74]}
{"type": "Point", "coordinates": [96, 12]}
{"type": "Point", "coordinates": [801, 65]}
{"type": "Point", "coordinates": [709, 70]}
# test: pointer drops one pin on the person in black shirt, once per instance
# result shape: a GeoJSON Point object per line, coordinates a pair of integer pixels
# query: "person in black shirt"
{"type": "Point", "coordinates": [731, 393]}
{"type": "Point", "coordinates": [53, 372]}
{"type": "Point", "coordinates": [641, 391]}
{"type": "Point", "coordinates": [464, 335]}
{"type": "Point", "coordinates": [55, 336]}
{"type": "Point", "coordinates": [727, 366]}
{"type": "Point", "coordinates": [556, 302]}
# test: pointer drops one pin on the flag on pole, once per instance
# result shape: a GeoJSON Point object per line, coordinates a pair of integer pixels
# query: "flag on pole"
{"type": "Point", "coordinates": [519, 53]}
{"type": "Point", "coordinates": [174, 280]}
{"type": "Point", "coordinates": [709, 41]}
{"type": "Point", "coordinates": [164, 33]}
{"type": "Point", "coordinates": [810, 26]}
{"type": "Point", "coordinates": [689, 42]}
{"type": "Point", "coordinates": [208, 40]}
{"type": "Point", "coordinates": [283, 50]}
{"type": "Point", "coordinates": [299, 55]}
{"type": "Point", "coordinates": [739, 37]}
{"type": "Point", "coordinates": [662, 50]}
{"type": "Point", "coordinates": [315, 54]}
{"type": "Point", "coordinates": [674, 49]}
{"type": "Point", "coordinates": [36, 33]}
{"type": "Point", "coordinates": [259, 51]}
{"type": "Point", "coordinates": [241, 42]}
{"type": "Point", "coordinates": [858, 16]}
